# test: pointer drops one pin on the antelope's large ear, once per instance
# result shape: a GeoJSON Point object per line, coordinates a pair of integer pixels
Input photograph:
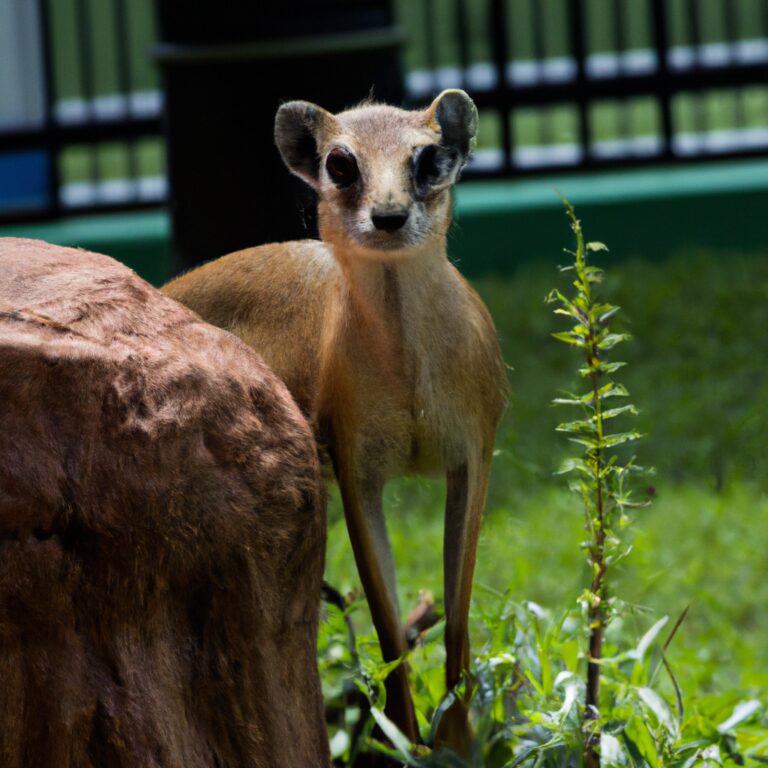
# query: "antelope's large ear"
{"type": "Point", "coordinates": [454, 114]}
{"type": "Point", "coordinates": [299, 128]}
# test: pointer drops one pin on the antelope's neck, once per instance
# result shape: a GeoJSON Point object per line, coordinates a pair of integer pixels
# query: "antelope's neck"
{"type": "Point", "coordinates": [389, 302]}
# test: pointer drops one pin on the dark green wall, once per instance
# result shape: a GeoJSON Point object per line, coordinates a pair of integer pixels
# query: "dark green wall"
{"type": "Point", "coordinates": [654, 213]}
{"type": "Point", "coordinates": [139, 239]}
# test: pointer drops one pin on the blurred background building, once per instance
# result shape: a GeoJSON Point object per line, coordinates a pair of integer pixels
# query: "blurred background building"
{"type": "Point", "coordinates": [154, 120]}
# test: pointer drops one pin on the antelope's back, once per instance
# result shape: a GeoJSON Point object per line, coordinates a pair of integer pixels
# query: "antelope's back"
{"type": "Point", "coordinates": [275, 298]}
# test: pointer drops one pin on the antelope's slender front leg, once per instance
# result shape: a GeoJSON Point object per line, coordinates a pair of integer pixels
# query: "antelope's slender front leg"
{"type": "Point", "coordinates": [466, 490]}
{"type": "Point", "coordinates": [368, 534]}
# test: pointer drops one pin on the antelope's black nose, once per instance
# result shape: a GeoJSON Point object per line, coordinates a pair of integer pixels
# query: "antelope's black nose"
{"type": "Point", "coordinates": [390, 221]}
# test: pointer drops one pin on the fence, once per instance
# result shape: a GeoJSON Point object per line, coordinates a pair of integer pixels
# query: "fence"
{"type": "Point", "coordinates": [582, 84]}
{"type": "Point", "coordinates": [80, 108]}
{"type": "Point", "coordinates": [560, 84]}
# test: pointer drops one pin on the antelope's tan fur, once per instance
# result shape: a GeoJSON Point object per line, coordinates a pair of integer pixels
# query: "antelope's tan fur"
{"type": "Point", "coordinates": [380, 340]}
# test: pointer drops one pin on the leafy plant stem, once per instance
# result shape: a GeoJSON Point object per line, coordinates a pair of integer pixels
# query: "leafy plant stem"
{"type": "Point", "coordinates": [596, 617]}
{"type": "Point", "coordinates": [601, 477]}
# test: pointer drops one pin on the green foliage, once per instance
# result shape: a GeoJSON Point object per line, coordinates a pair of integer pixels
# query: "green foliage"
{"type": "Point", "coordinates": [600, 478]}
{"type": "Point", "coordinates": [529, 689]}
{"type": "Point", "coordinates": [674, 693]}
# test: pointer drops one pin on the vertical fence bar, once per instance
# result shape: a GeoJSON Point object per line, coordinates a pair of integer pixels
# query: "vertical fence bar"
{"type": "Point", "coordinates": [498, 35]}
{"type": "Point", "coordinates": [701, 121]}
{"type": "Point", "coordinates": [694, 30]}
{"type": "Point", "coordinates": [537, 34]}
{"type": "Point", "coordinates": [462, 29]}
{"type": "Point", "coordinates": [122, 50]}
{"type": "Point", "coordinates": [731, 23]}
{"type": "Point", "coordinates": [764, 17]}
{"type": "Point", "coordinates": [619, 33]}
{"type": "Point", "coordinates": [430, 41]}
{"type": "Point", "coordinates": [663, 88]}
{"type": "Point", "coordinates": [623, 117]}
{"type": "Point", "coordinates": [49, 101]}
{"type": "Point", "coordinates": [87, 86]}
{"type": "Point", "coordinates": [544, 116]}
{"type": "Point", "coordinates": [729, 76]}
{"type": "Point", "coordinates": [125, 81]}
{"type": "Point", "coordinates": [731, 17]}
{"type": "Point", "coordinates": [577, 19]}
{"type": "Point", "coordinates": [764, 32]}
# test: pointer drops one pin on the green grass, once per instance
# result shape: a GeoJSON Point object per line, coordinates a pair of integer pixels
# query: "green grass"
{"type": "Point", "coordinates": [698, 369]}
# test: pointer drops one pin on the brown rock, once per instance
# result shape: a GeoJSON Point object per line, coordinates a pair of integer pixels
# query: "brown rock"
{"type": "Point", "coordinates": [161, 532]}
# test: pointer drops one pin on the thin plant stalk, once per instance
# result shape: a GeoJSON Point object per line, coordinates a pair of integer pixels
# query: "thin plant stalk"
{"type": "Point", "coordinates": [596, 619]}
{"type": "Point", "coordinates": [601, 478]}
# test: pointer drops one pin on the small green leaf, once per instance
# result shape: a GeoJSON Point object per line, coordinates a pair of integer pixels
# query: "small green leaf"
{"type": "Point", "coordinates": [611, 367]}
{"type": "Point", "coordinates": [587, 442]}
{"type": "Point", "coordinates": [595, 245]}
{"type": "Point", "coordinates": [612, 339]}
{"type": "Point", "coordinates": [612, 413]}
{"type": "Point", "coordinates": [567, 401]}
{"type": "Point", "coordinates": [382, 670]}
{"type": "Point", "coordinates": [578, 427]}
{"type": "Point", "coordinates": [607, 314]}
{"type": "Point", "coordinates": [555, 295]}
{"type": "Point", "coordinates": [570, 338]}
{"type": "Point", "coordinates": [659, 708]}
{"type": "Point", "coordinates": [743, 711]}
{"type": "Point", "coordinates": [534, 682]}
{"type": "Point", "coordinates": [610, 441]}
{"type": "Point", "coordinates": [572, 465]}
{"type": "Point", "coordinates": [647, 639]}
{"type": "Point", "coordinates": [399, 740]}
{"type": "Point", "coordinates": [523, 756]}
{"type": "Point", "coordinates": [611, 751]}
{"type": "Point", "coordinates": [447, 702]}
{"type": "Point", "coordinates": [611, 389]}
{"type": "Point", "coordinates": [676, 686]}
{"type": "Point", "coordinates": [636, 731]}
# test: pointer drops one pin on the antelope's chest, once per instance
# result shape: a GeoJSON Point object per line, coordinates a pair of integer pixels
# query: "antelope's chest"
{"type": "Point", "coordinates": [414, 422]}
{"type": "Point", "coordinates": [415, 368]}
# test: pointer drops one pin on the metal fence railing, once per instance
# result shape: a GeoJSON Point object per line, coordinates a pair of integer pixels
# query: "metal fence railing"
{"type": "Point", "coordinates": [560, 85]}
{"type": "Point", "coordinates": [581, 84]}
{"type": "Point", "coordinates": [80, 108]}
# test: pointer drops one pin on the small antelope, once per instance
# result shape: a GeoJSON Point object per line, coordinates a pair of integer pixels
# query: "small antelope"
{"type": "Point", "coordinates": [380, 340]}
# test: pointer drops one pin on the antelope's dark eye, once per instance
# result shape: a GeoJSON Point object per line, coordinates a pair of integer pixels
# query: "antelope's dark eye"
{"type": "Point", "coordinates": [342, 167]}
{"type": "Point", "coordinates": [425, 167]}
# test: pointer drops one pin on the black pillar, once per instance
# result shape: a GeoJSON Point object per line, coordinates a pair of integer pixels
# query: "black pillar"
{"type": "Point", "coordinates": [226, 67]}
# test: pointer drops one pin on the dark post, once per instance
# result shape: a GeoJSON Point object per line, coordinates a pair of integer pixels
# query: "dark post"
{"type": "Point", "coordinates": [226, 69]}
{"type": "Point", "coordinates": [87, 77]}
{"type": "Point", "coordinates": [661, 44]}
{"type": "Point", "coordinates": [578, 26]}
{"type": "Point", "coordinates": [53, 202]}
{"type": "Point", "coordinates": [462, 34]}
{"type": "Point", "coordinates": [499, 42]}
